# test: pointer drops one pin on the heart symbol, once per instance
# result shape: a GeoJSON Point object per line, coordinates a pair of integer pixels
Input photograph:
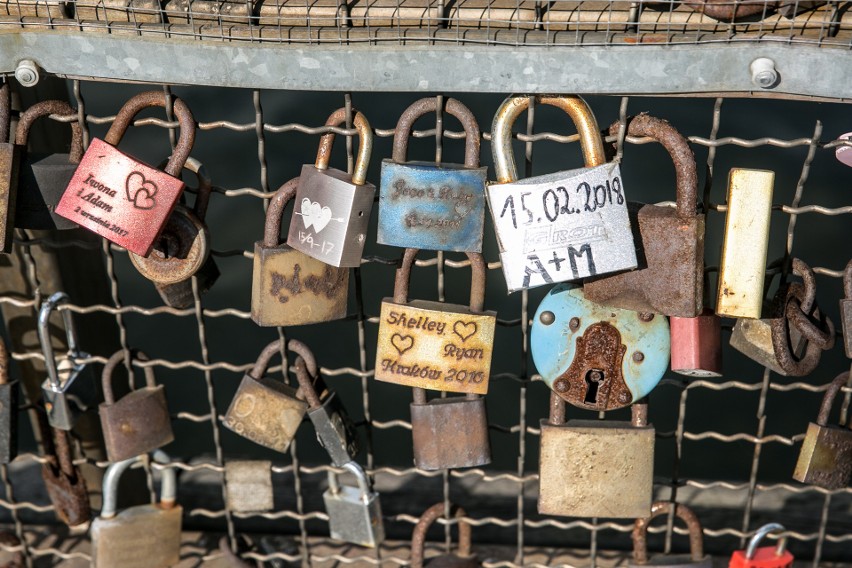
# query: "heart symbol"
{"type": "Point", "coordinates": [402, 342]}
{"type": "Point", "coordinates": [141, 191]}
{"type": "Point", "coordinates": [464, 329]}
{"type": "Point", "coordinates": [315, 214]}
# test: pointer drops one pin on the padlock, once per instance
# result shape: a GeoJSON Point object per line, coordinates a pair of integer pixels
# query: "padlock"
{"type": "Point", "coordinates": [825, 459]}
{"type": "Point", "coordinates": [333, 208]}
{"type": "Point", "coordinates": [183, 249]}
{"type": "Point", "coordinates": [9, 165]}
{"type": "Point", "coordinates": [696, 557]}
{"type": "Point", "coordinates": [596, 357]}
{"type": "Point", "coordinates": [265, 410]}
{"type": "Point", "coordinates": [120, 198]}
{"type": "Point", "coordinates": [288, 286]}
{"type": "Point", "coordinates": [670, 276]}
{"type": "Point", "coordinates": [354, 513]}
{"type": "Point", "coordinates": [64, 482]}
{"type": "Point", "coordinates": [743, 265]}
{"type": "Point", "coordinates": [846, 310]}
{"type": "Point", "coordinates": [71, 391]}
{"type": "Point", "coordinates": [463, 558]}
{"type": "Point", "coordinates": [144, 536]}
{"type": "Point", "coordinates": [8, 409]}
{"type": "Point", "coordinates": [763, 557]}
{"type": "Point", "coordinates": [449, 432]}
{"type": "Point", "coordinates": [436, 345]}
{"type": "Point", "coordinates": [563, 226]}
{"type": "Point", "coordinates": [426, 205]}
{"type": "Point", "coordinates": [138, 422]}
{"type": "Point", "coordinates": [43, 179]}
{"type": "Point", "coordinates": [732, 10]}
{"type": "Point", "coordinates": [696, 344]}
{"type": "Point", "coordinates": [249, 485]}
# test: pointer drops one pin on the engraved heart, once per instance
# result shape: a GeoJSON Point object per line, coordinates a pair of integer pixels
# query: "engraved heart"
{"type": "Point", "coordinates": [402, 342]}
{"type": "Point", "coordinates": [315, 214]}
{"type": "Point", "coordinates": [141, 191]}
{"type": "Point", "coordinates": [465, 329]}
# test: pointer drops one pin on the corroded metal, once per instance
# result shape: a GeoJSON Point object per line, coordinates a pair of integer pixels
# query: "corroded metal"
{"type": "Point", "coordinates": [449, 432]}
{"type": "Point", "coordinates": [249, 485]}
{"type": "Point", "coordinates": [354, 513]}
{"type": "Point", "coordinates": [695, 558]}
{"type": "Point", "coordinates": [8, 409]}
{"type": "Point", "coordinates": [9, 164]}
{"type": "Point", "coordinates": [136, 11]}
{"type": "Point", "coordinates": [54, 9]}
{"type": "Point", "coordinates": [63, 481]}
{"type": "Point", "coordinates": [463, 558]}
{"type": "Point", "coordinates": [732, 10]}
{"type": "Point", "coordinates": [846, 310]}
{"type": "Point", "coordinates": [697, 345]}
{"type": "Point", "coordinates": [219, 11]}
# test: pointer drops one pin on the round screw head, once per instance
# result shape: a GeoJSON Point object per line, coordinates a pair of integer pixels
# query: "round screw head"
{"type": "Point", "coordinates": [27, 73]}
{"type": "Point", "coordinates": [547, 318]}
{"type": "Point", "coordinates": [574, 324]}
{"type": "Point", "coordinates": [638, 356]}
{"type": "Point", "coordinates": [763, 73]}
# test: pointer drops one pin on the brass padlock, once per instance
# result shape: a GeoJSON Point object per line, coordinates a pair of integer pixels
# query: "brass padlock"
{"type": "Point", "coordinates": [596, 468]}
{"type": "Point", "coordinates": [426, 205]}
{"type": "Point", "coordinates": [826, 456]}
{"type": "Point", "coordinates": [696, 557]}
{"type": "Point", "coordinates": [463, 558]}
{"type": "Point", "coordinates": [265, 410]}
{"type": "Point", "coordinates": [138, 422]}
{"type": "Point", "coordinates": [333, 208]}
{"type": "Point", "coordinates": [670, 277]}
{"type": "Point", "coordinates": [449, 432]}
{"type": "Point", "coordinates": [8, 409]}
{"type": "Point", "coordinates": [64, 482]}
{"type": "Point", "coordinates": [249, 485]}
{"type": "Point", "coordinates": [354, 513]}
{"type": "Point", "coordinates": [846, 310]}
{"type": "Point", "coordinates": [9, 164]}
{"type": "Point", "coordinates": [144, 536]}
{"type": "Point", "coordinates": [288, 286]}
{"type": "Point", "coordinates": [436, 345]}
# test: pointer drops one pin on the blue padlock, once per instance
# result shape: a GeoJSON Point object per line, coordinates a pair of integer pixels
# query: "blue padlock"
{"type": "Point", "coordinates": [597, 357]}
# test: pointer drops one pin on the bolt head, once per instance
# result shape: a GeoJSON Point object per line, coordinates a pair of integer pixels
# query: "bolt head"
{"type": "Point", "coordinates": [547, 318]}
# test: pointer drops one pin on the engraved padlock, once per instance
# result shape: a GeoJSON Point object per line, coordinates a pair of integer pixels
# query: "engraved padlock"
{"type": "Point", "coordinates": [333, 208]}
{"type": "Point", "coordinates": [825, 459]}
{"type": "Point", "coordinates": [436, 345]}
{"type": "Point", "coordinates": [755, 556]}
{"type": "Point", "coordinates": [597, 357]}
{"type": "Point", "coordinates": [9, 165]}
{"type": "Point", "coordinates": [183, 249]}
{"type": "Point", "coordinates": [138, 422]}
{"type": "Point", "coordinates": [697, 345]}
{"type": "Point", "coordinates": [670, 277]}
{"type": "Point", "coordinates": [354, 513]}
{"type": "Point", "coordinates": [426, 205]}
{"type": "Point", "coordinates": [563, 226]}
{"type": "Point", "coordinates": [288, 286]}
{"type": "Point", "coordinates": [265, 410]}
{"type": "Point", "coordinates": [249, 486]}
{"type": "Point", "coordinates": [119, 198]}
{"type": "Point", "coordinates": [846, 310]}
{"type": "Point", "coordinates": [596, 468]}
{"type": "Point", "coordinates": [143, 536]}
{"type": "Point", "coordinates": [462, 558]}
{"type": "Point", "coordinates": [69, 390]}
{"type": "Point", "coordinates": [8, 409]}
{"type": "Point", "coordinates": [64, 482]}
{"type": "Point", "coordinates": [696, 557]}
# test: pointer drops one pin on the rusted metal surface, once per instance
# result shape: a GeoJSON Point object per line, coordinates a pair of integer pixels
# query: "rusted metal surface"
{"type": "Point", "coordinates": [365, 144]}
{"type": "Point", "coordinates": [695, 559]}
{"type": "Point", "coordinates": [65, 485]}
{"type": "Point", "coordinates": [732, 10]}
{"type": "Point", "coordinates": [136, 11]}
{"type": "Point", "coordinates": [846, 310]}
{"type": "Point", "coordinates": [53, 9]}
{"type": "Point", "coordinates": [9, 164]}
{"type": "Point", "coordinates": [697, 345]}
{"type": "Point", "coordinates": [249, 485]}
{"type": "Point", "coordinates": [462, 558]}
{"type": "Point", "coordinates": [8, 409]}
{"type": "Point", "coordinates": [449, 432]}
{"type": "Point", "coordinates": [219, 11]}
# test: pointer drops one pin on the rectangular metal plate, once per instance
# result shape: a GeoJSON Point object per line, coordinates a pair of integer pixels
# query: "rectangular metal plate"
{"type": "Point", "coordinates": [826, 457]}
{"type": "Point", "coordinates": [249, 484]}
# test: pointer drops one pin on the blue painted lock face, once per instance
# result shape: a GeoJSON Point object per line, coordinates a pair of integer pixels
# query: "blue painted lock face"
{"type": "Point", "coordinates": [597, 357]}
{"type": "Point", "coordinates": [423, 205]}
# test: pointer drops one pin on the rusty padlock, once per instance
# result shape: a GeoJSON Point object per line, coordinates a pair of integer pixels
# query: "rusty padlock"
{"type": "Point", "coordinates": [846, 310]}
{"type": "Point", "coordinates": [8, 409]}
{"type": "Point", "coordinates": [138, 422]}
{"type": "Point", "coordinates": [9, 164]}
{"type": "Point", "coordinates": [183, 249]}
{"type": "Point", "coordinates": [449, 432]}
{"type": "Point", "coordinates": [696, 557]}
{"type": "Point", "coordinates": [43, 179]}
{"type": "Point", "coordinates": [669, 279]}
{"type": "Point", "coordinates": [697, 345]}
{"type": "Point", "coordinates": [333, 208]}
{"type": "Point", "coordinates": [825, 459]}
{"type": "Point", "coordinates": [610, 465]}
{"type": "Point", "coordinates": [766, 556]}
{"type": "Point", "coordinates": [65, 484]}
{"type": "Point", "coordinates": [120, 198]}
{"type": "Point", "coordinates": [288, 286]}
{"type": "Point", "coordinates": [732, 10]}
{"type": "Point", "coordinates": [426, 205]}
{"type": "Point", "coordinates": [463, 558]}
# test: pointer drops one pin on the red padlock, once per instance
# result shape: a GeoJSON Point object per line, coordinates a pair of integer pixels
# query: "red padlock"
{"type": "Point", "coordinates": [764, 557]}
{"type": "Point", "coordinates": [697, 345]}
{"type": "Point", "coordinates": [119, 198]}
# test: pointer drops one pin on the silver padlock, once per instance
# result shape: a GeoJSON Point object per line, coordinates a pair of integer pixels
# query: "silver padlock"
{"type": "Point", "coordinates": [354, 513]}
{"type": "Point", "coordinates": [70, 390]}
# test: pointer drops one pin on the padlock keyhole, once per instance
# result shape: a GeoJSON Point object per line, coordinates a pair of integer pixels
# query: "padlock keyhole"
{"type": "Point", "coordinates": [594, 378]}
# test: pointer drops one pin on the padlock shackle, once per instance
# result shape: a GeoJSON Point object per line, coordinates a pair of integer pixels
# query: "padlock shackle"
{"type": "Point", "coordinates": [204, 189]}
{"type": "Point", "coordinates": [511, 109]}
{"type": "Point", "coordinates": [306, 384]}
{"type": "Point", "coordinates": [139, 102]}
{"type": "Point", "coordinates": [430, 104]}
{"type": "Point", "coordinates": [168, 487]}
{"type": "Point", "coordinates": [274, 348]}
{"type": "Point", "coordinates": [686, 173]}
{"type": "Point", "coordinates": [53, 302]}
{"type": "Point", "coordinates": [761, 533]}
{"type": "Point", "coordinates": [46, 108]}
{"type": "Point", "coordinates": [365, 146]}
{"type": "Point", "coordinates": [557, 409]}
{"type": "Point", "coordinates": [803, 271]}
{"type": "Point", "coordinates": [305, 353]}
{"type": "Point", "coordinates": [847, 281]}
{"type": "Point", "coordinates": [418, 537]}
{"type": "Point", "coordinates": [5, 112]}
{"type": "Point", "coordinates": [639, 413]}
{"type": "Point", "coordinates": [477, 279]}
{"type": "Point", "coordinates": [640, 531]}
{"type": "Point", "coordinates": [364, 485]}
{"type": "Point", "coordinates": [119, 357]}
{"type": "Point", "coordinates": [830, 394]}
{"type": "Point", "coordinates": [275, 212]}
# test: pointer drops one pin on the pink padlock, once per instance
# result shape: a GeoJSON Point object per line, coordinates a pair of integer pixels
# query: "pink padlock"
{"type": "Point", "coordinates": [697, 345]}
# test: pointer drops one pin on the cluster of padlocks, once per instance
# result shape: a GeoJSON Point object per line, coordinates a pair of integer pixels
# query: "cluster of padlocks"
{"type": "Point", "coordinates": [600, 345]}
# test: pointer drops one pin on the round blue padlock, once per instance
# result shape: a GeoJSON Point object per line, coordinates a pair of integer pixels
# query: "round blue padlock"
{"type": "Point", "coordinates": [597, 357]}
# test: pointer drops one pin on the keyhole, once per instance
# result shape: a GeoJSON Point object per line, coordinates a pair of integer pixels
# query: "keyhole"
{"type": "Point", "coordinates": [594, 378]}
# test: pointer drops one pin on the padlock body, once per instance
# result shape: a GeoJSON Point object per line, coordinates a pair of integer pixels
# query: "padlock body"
{"type": "Point", "coordinates": [42, 183]}
{"type": "Point", "coordinates": [292, 288]}
{"type": "Point", "coordinates": [753, 338]}
{"type": "Point", "coordinates": [179, 295]}
{"type": "Point", "coordinates": [136, 424]}
{"type": "Point", "coordinates": [68, 495]}
{"type": "Point", "coordinates": [331, 216]}
{"type": "Point", "coordinates": [675, 561]}
{"type": "Point", "coordinates": [697, 345]}
{"type": "Point", "coordinates": [76, 394]}
{"type": "Point", "coordinates": [435, 345]}
{"type": "Point", "coordinates": [353, 519]}
{"type": "Point", "coordinates": [562, 227]}
{"type": "Point", "coordinates": [825, 459]}
{"type": "Point", "coordinates": [10, 158]}
{"type": "Point", "coordinates": [138, 11]}
{"type": "Point", "coordinates": [669, 279]}
{"type": "Point", "coordinates": [431, 206]}
{"type": "Point", "coordinates": [249, 485]}
{"type": "Point", "coordinates": [266, 412]}
{"type": "Point", "coordinates": [596, 468]}
{"type": "Point", "coordinates": [764, 557]}
{"type": "Point", "coordinates": [449, 433]}
{"type": "Point", "coordinates": [8, 421]}
{"type": "Point", "coordinates": [119, 198]}
{"type": "Point", "coordinates": [453, 561]}
{"type": "Point", "coordinates": [846, 318]}
{"type": "Point", "coordinates": [145, 536]}
{"type": "Point", "coordinates": [335, 430]}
